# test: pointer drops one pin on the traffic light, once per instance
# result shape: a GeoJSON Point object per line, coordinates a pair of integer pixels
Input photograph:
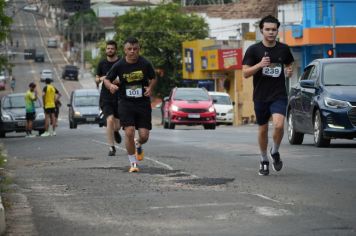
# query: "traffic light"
{"type": "Point", "coordinates": [330, 53]}
{"type": "Point", "coordinates": [76, 5]}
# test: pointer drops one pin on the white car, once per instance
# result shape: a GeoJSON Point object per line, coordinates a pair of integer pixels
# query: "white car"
{"type": "Point", "coordinates": [46, 74]}
{"type": "Point", "coordinates": [224, 107]}
{"type": "Point", "coordinates": [30, 8]}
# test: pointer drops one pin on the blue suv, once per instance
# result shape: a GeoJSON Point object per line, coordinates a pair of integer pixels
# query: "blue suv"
{"type": "Point", "coordinates": [323, 102]}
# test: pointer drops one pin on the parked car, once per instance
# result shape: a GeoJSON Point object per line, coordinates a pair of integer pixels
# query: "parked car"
{"type": "Point", "coordinates": [13, 114]}
{"type": "Point", "coordinates": [224, 107]}
{"type": "Point", "coordinates": [70, 72]}
{"type": "Point", "coordinates": [84, 107]}
{"type": "Point", "coordinates": [31, 8]}
{"type": "Point", "coordinates": [39, 57]}
{"type": "Point", "coordinates": [52, 43]}
{"type": "Point", "coordinates": [46, 74]}
{"type": "Point", "coordinates": [323, 102]}
{"type": "Point", "coordinates": [3, 75]}
{"type": "Point", "coordinates": [189, 106]}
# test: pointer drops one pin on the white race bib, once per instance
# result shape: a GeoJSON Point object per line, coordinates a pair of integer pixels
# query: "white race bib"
{"type": "Point", "coordinates": [134, 91]}
{"type": "Point", "coordinates": [274, 70]}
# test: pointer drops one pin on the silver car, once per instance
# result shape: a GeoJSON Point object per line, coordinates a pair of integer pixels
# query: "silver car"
{"type": "Point", "coordinates": [13, 115]}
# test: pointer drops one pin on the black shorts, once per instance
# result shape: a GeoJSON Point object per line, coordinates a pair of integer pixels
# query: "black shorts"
{"type": "Point", "coordinates": [30, 115]}
{"type": "Point", "coordinates": [135, 113]}
{"type": "Point", "coordinates": [50, 110]}
{"type": "Point", "coordinates": [264, 110]}
{"type": "Point", "coordinates": [109, 107]}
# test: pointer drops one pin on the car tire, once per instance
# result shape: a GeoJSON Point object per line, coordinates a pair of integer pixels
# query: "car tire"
{"type": "Point", "coordinates": [170, 124]}
{"type": "Point", "coordinates": [210, 126]}
{"type": "Point", "coordinates": [72, 125]}
{"type": "Point", "coordinates": [319, 139]}
{"type": "Point", "coordinates": [294, 137]}
{"type": "Point", "coordinates": [165, 124]}
{"type": "Point", "coordinates": [2, 134]}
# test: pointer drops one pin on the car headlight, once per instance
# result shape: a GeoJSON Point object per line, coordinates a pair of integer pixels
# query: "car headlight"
{"type": "Point", "coordinates": [174, 108]}
{"type": "Point", "coordinates": [5, 117]}
{"type": "Point", "coordinates": [230, 111]}
{"type": "Point", "coordinates": [40, 116]}
{"type": "Point", "coordinates": [333, 103]}
{"type": "Point", "coordinates": [77, 113]}
{"type": "Point", "coordinates": [211, 109]}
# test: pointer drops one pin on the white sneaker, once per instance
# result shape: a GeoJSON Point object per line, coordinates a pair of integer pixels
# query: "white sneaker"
{"type": "Point", "coordinates": [45, 134]}
{"type": "Point", "coordinates": [31, 135]}
{"type": "Point", "coordinates": [54, 133]}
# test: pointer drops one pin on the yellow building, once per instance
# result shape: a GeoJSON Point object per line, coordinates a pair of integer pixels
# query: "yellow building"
{"type": "Point", "coordinates": [219, 67]}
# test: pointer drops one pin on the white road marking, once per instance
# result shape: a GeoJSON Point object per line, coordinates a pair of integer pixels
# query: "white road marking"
{"type": "Point", "coordinates": [270, 211]}
{"type": "Point", "coordinates": [213, 204]}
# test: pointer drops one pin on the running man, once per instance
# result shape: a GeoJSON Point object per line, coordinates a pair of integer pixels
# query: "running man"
{"type": "Point", "coordinates": [50, 96]}
{"type": "Point", "coordinates": [30, 98]}
{"type": "Point", "coordinates": [135, 83]}
{"type": "Point", "coordinates": [270, 63]}
{"type": "Point", "coordinates": [108, 101]}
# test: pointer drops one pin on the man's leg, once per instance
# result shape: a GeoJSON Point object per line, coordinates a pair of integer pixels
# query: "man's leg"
{"type": "Point", "coordinates": [110, 134]}
{"type": "Point", "coordinates": [278, 124]}
{"type": "Point", "coordinates": [130, 147]}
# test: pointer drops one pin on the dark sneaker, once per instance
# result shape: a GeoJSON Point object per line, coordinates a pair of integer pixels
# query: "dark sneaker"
{"type": "Point", "coordinates": [117, 136]}
{"type": "Point", "coordinates": [277, 162]}
{"type": "Point", "coordinates": [264, 168]}
{"type": "Point", "coordinates": [112, 151]}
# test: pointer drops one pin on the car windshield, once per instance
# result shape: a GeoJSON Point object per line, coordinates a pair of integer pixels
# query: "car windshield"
{"type": "Point", "coordinates": [86, 101]}
{"type": "Point", "coordinates": [340, 74]}
{"type": "Point", "coordinates": [17, 102]}
{"type": "Point", "coordinates": [220, 99]}
{"type": "Point", "coordinates": [191, 95]}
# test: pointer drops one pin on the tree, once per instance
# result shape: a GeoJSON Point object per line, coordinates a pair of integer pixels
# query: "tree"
{"type": "Point", "coordinates": [161, 31]}
{"type": "Point", "coordinates": [5, 22]}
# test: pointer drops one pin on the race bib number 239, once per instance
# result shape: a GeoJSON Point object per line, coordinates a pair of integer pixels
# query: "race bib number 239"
{"type": "Point", "coordinates": [274, 70]}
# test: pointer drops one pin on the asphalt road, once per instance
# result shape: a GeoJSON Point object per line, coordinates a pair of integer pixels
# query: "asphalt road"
{"type": "Point", "coordinates": [192, 181]}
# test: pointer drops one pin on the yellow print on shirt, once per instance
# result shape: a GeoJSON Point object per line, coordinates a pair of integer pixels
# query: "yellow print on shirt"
{"type": "Point", "coordinates": [133, 76]}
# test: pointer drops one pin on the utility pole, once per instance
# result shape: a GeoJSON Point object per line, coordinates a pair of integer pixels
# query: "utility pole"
{"type": "Point", "coordinates": [81, 46]}
{"type": "Point", "coordinates": [333, 29]}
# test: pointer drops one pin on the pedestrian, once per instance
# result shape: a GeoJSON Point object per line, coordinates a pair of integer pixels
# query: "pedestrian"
{"type": "Point", "coordinates": [58, 105]}
{"type": "Point", "coordinates": [50, 96]}
{"type": "Point", "coordinates": [108, 101]}
{"type": "Point", "coordinates": [270, 63]}
{"type": "Point", "coordinates": [134, 77]}
{"type": "Point", "coordinates": [30, 98]}
{"type": "Point", "coordinates": [13, 83]}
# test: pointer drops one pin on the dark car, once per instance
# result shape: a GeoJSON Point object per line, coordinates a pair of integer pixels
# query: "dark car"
{"type": "Point", "coordinates": [13, 114]}
{"type": "Point", "coordinates": [189, 106]}
{"type": "Point", "coordinates": [39, 57]}
{"type": "Point", "coordinates": [323, 102]}
{"type": "Point", "coordinates": [84, 108]}
{"type": "Point", "coordinates": [70, 72]}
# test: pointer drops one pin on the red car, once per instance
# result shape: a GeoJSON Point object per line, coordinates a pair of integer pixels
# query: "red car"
{"type": "Point", "coordinates": [189, 106]}
{"type": "Point", "coordinates": [2, 85]}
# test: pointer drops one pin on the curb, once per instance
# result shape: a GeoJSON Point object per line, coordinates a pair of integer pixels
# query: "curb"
{"type": "Point", "coordinates": [2, 218]}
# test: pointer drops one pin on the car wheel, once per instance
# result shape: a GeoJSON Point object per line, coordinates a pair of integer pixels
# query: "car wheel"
{"type": "Point", "coordinates": [210, 126]}
{"type": "Point", "coordinates": [72, 125]}
{"type": "Point", "coordinates": [294, 137]}
{"type": "Point", "coordinates": [2, 134]}
{"type": "Point", "coordinates": [319, 139]}
{"type": "Point", "coordinates": [165, 124]}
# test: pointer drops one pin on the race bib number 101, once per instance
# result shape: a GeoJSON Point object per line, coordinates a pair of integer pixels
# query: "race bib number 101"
{"type": "Point", "coordinates": [134, 91]}
{"type": "Point", "coordinates": [274, 70]}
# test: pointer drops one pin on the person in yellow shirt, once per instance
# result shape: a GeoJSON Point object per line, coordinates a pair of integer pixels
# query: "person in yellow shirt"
{"type": "Point", "coordinates": [50, 96]}
{"type": "Point", "coordinates": [30, 98]}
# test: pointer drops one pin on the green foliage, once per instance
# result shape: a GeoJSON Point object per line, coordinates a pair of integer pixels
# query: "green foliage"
{"type": "Point", "coordinates": [161, 31]}
{"type": "Point", "coordinates": [5, 22]}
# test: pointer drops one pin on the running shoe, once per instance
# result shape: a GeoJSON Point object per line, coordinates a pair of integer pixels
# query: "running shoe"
{"type": "Point", "coordinates": [53, 133]}
{"type": "Point", "coordinates": [117, 136]}
{"type": "Point", "coordinates": [139, 151]}
{"type": "Point", "coordinates": [45, 134]}
{"type": "Point", "coordinates": [134, 168]}
{"type": "Point", "coordinates": [30, 136]}
{"type": "Point", "coordinates": [277, 162]}
{"type": "Point", "coordinates": [264, 168]}
{"type": "Point", "coordinates": [112, 151]}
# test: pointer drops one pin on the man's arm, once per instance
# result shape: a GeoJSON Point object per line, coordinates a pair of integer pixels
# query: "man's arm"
{"type": "Point", "coordinates": [248, 71]}
{"type": "Point", "coordinates": [151, 85]}
{"type": "Point", "coordinates": [110, 81]}
{"type": "Point", "coordinates": [289, 70]}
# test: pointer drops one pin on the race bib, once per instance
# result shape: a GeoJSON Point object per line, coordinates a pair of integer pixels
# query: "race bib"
{"type": "Point", "coordinates": [274, 70]}
{"type": "Point", "coordinates": [134, 91]}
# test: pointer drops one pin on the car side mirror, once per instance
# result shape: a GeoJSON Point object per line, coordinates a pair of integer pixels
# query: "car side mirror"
{"type": "Point", "coordinates": [69, 105]}
{"type": "Point", "coordinates": [165, 99]}
{"type": "Point", "coordinates": [233, 103]}
{"type": "Point", "coordinates": [307, 83]}
{"type": "Point", "coordinates": [215, 101]}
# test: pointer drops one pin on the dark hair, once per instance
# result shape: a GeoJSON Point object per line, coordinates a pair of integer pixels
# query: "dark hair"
{"type": "Point", "coordinates": [111, 42]}
{"type": "Point", "coordinates": [269, 19]}
{"type": "Point", "coordinates": [131, 40]}
{"type": "Point", "coordinates": [48, 80]}
{"type": "Point", "coordinates": [32, 85]}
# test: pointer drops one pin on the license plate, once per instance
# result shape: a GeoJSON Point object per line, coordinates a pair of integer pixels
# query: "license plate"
{"type": "Point", "coordinates": [194, 116]}
{"type": "Point", "coordinates": [91, 119]}
{"type": "Point", "coordinates": [21, 123]}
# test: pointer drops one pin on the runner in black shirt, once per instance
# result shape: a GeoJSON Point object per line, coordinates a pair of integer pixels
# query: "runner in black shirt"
{"type": "Point", "coordinates": [269, 62]}
{"type": "Point", "coordinates": [134, 77]}
{"type": "Point", "coordinates": [108, 101]}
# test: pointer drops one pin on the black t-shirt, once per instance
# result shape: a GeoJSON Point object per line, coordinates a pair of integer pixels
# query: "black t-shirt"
{"type": "Point", "coordinates": [269, 82]}
{"type": "Point", "coordinates": [102, 69]}
{"type": "Point", "coordinates": [133, 78]}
